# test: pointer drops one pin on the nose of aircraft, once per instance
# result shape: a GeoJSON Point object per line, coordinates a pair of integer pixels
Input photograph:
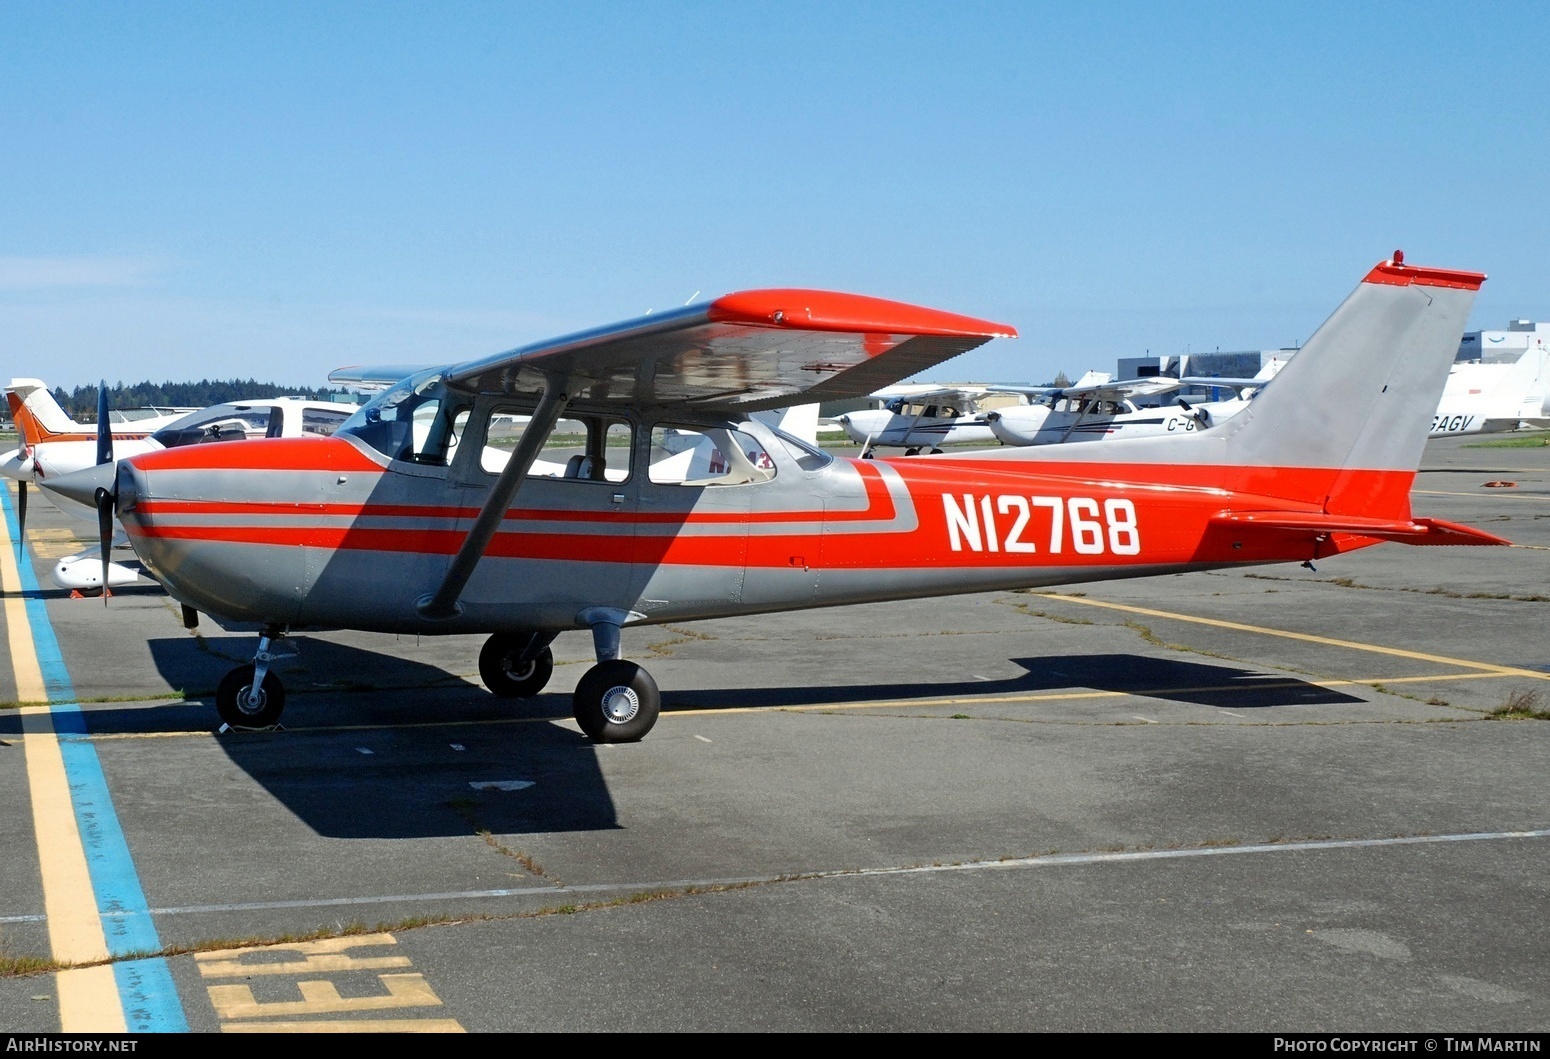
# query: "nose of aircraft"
{"type": "Point", "coordinates": [80, 487]}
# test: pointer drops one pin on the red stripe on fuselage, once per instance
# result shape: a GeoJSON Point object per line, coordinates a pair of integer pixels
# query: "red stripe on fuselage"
{"type": "Point", "coordinates": [1172, 517]}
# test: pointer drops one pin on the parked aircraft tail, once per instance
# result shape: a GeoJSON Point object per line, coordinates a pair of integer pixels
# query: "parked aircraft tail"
{"type": "Point", "coordinates": [1523, 389]}
{"type": "Point", "coordinates": [38, 416]}
{"type": "Point", "coordinates": [1358, 397]}
{"type": "Point", "coordinates": [1333, 445]}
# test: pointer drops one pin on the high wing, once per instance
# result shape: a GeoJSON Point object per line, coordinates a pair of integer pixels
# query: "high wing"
{"type": "Point", "coordinates": [744, 352]}
{"type": "Point", "coordinates": [959, 394]}
{"type": "Point", "coordinates": [1117, 391]}
{"type": "Point", "coordinates": [1220, 381]}
{"type": "Point", "coordinates": [1259, 381]}
{"type": "Point", "coordinates": [375, 376]}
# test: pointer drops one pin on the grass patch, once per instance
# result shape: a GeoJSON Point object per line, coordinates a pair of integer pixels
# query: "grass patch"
{"type": "Point", "coordinates": [1523, 704]}
{"type": "Point", "coordinates": [27, 966]}
{"type": "Point", "coordinates": [1525, 441]}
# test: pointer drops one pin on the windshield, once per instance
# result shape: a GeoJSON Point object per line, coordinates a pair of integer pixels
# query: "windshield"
{"type": "Point", "coordinates": [222, 422]}
{"type": "Point", "coordinates": [401, 421]}
{"type": "Point", "coordinates": [807, 456]}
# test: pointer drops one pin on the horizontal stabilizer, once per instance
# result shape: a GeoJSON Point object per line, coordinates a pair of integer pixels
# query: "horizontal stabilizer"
{"type": "Point", "coordinates": [1433, 531]}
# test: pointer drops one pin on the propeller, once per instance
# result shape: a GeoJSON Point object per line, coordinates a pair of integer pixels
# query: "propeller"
{"type": "Point", "coordinates": [24, 468]}
{"type": "Point", "coordinates": [1201, 415]}
{"type": "Point", "coordinates": [105, 497]}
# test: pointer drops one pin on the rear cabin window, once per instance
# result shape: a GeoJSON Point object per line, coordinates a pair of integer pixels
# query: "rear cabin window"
{"type": "Point", "coordinates": [701, 456]}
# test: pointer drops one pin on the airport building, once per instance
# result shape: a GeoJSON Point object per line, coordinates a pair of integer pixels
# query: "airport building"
{"type": "Point", "coordinates": [1489, 347]}
{"type": "Point", "coordinates": [1504, 347]}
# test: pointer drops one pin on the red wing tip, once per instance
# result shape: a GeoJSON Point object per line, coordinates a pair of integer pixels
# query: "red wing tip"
{"type": "Point", "coordinates": [1396, 273]}
{"type": "Point", "coordinates": [817, 310]}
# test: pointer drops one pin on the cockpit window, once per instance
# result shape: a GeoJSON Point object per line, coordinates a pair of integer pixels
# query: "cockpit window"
{"type": "Point", "coordinates": [413, 420]}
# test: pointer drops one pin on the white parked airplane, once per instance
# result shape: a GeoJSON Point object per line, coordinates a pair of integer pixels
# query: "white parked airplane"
{"type": "Point", "coordinates": [923, 417]}
{"type": "Point", "coordinates": [52, 445]}
{"type": "Point", "coordinates": [1107, 411]}
{"type": "Point", "coordinates": [927, 418]}
{"type": "Point", "coordinates": [1488, 398]}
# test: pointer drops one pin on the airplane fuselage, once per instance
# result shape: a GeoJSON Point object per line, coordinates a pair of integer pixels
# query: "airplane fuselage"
{"type": "Point", "coordinates": [882, 427]}
{"type": "Point", "coordinates": [304, 531]}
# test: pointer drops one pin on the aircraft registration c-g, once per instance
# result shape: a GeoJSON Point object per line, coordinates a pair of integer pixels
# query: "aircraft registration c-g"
{"type": "Point", "coordinates": [427, 512]}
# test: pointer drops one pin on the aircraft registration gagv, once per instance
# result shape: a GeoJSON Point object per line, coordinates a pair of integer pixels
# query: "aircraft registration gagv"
{"type": "Point", "coordinates": [618, 477]}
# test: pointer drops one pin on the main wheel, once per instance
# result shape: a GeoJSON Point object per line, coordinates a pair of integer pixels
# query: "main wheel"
{"type": "Point", "coordinates": [505, 676]}
{"type": "Point", "coordinates": [912, 452]}
{"type": "Point", "coordinates": [231, 699]}
{"type": "Point", "coordinates": [616, 702]}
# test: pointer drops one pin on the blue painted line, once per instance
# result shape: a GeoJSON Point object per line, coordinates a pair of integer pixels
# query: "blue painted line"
{"type": "Point", "coordinates": [145, 987]}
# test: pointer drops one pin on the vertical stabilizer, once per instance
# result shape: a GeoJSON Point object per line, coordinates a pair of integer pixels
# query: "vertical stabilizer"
{"type": "Point", "coordinates": [1359, 396]}
{"type": "Point", "coordinates": [37, 414]}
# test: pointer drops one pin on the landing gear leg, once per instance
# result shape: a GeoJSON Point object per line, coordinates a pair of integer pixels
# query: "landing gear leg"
{"type": "Point", "coordinates": [616, 700]}
{"type": "Point", "coordinates": [250, 696]}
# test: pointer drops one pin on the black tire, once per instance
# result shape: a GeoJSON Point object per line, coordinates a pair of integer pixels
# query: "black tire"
{"type": "Point", "coordinates": [912, 452]}
{"type": "Point", "coordinates": [231, 699]}
{"type": "Point", "coordinates": [936, 452]}
{"type": "Point", "coordinates": [616, 702]}
{"type": "Point", "coordinates": [500, 672]}
{"type": "Point", "coordinates": [867, 455]}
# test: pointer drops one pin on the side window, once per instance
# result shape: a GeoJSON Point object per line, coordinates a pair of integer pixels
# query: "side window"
{"type": "Point", "coordinates": [581, 448]}
{"type": "Point", "coordinates": [702, 456]}
{"type": "Point", "coordinates": [322, 421]}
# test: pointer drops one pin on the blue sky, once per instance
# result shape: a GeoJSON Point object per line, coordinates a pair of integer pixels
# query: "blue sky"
{"type": "Point", "coordinates": [275, 190]}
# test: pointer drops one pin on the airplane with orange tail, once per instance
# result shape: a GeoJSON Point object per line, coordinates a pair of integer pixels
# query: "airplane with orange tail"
{"type": "Point", "coordinates": [423, 513]}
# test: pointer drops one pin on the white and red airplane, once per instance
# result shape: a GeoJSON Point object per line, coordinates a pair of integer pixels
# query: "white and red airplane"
{"type": "Point", "coordinates": [51, 445]}
{"type": "Point", "coordinates": [376, 528]}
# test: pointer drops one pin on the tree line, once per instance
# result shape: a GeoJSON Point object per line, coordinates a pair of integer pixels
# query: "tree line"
{"type": "Point", "coordinates": [81, 402]}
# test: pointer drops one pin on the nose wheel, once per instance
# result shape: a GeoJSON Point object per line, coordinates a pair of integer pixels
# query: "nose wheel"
{"type": "Point", "coordinates": [241, 705]}
{"type": "Point", "coordinates": [616, 702]}
{"type": "Point", "coordinates": [251, 696]}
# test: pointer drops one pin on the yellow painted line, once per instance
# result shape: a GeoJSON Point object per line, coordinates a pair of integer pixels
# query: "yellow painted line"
{"type": "Point", "coordinates": [88, 996]}
{"type": "Point", "coordinates": [18, 631]}
{"type": "Point", "coordinates": [1416, 680]}
{"type": "Point", "coordinates": [352, 1026]}
{"type": "Point", "coordinates": [1350, 645]}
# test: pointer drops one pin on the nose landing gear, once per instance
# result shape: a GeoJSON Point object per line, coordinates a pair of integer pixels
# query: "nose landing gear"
{"type": "Point", "coordinates": [251, 696]}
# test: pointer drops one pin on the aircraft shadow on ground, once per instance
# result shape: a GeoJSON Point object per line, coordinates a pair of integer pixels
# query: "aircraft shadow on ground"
{"type": "Point", "coordinates": [393, 748]}
{"type": "Point", "coordinates": [377, 746]}
{"type": "Point", "coordinates": [1199, 683]}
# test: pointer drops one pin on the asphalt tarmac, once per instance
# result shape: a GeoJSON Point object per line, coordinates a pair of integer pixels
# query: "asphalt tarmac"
{"type": "Point", "coordinates": [1271, 800]}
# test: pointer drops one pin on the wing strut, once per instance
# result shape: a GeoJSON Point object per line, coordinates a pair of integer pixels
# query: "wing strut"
{"type": "Point", "coordinates": [443, 603]}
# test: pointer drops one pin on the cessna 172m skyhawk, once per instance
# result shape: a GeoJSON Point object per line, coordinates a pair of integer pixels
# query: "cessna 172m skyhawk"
{"type": "Point", "coordinates": [401, 522]}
